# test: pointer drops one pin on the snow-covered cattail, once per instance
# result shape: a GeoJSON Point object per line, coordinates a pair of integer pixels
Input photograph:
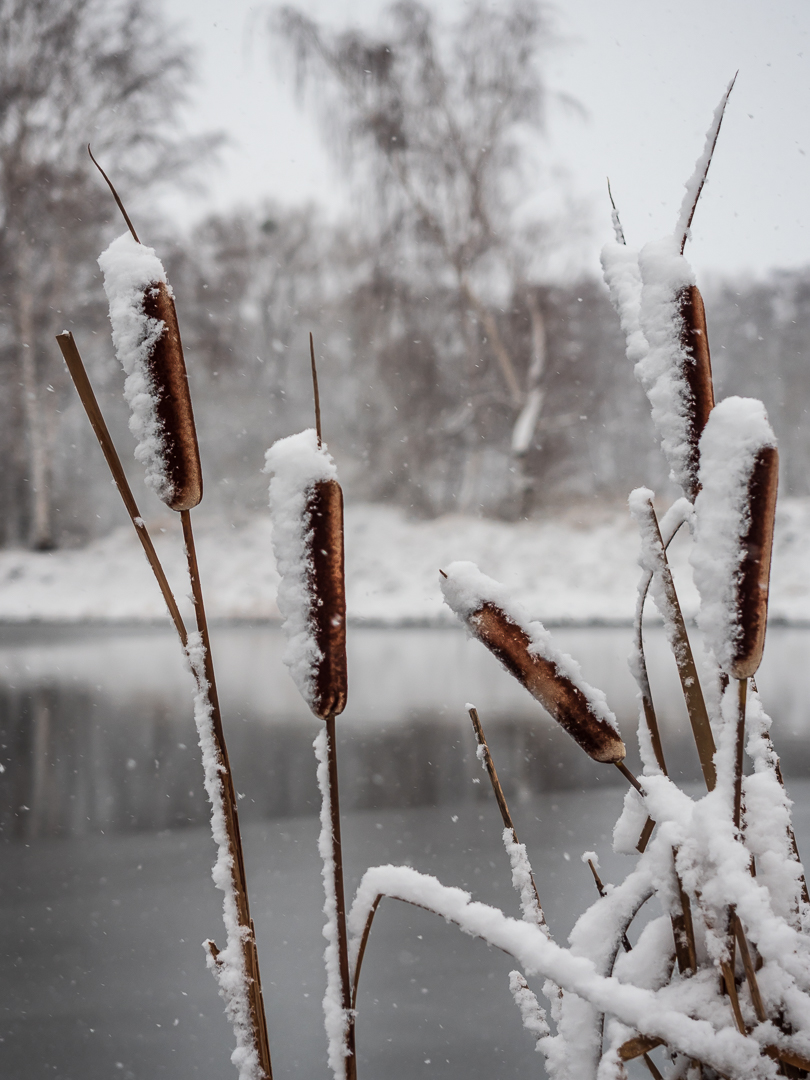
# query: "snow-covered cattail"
{"type": "Point", "coordinates": [306, 503]}
{"type": "Point", "coordinates": [147, 343]}
{"type": "Point", "coordinates": [526, 650]}
{"type": "Point", "coordinates": [734, 519]}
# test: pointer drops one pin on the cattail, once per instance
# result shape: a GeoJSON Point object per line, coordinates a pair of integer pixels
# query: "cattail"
{"type": "Point", "coordinates": [306, 502]}
{"type": "Point", "coordinates": [328, 597]}
{"type": "Point", "coordinates": [697, 375]}
{"type": "Point", "coordinates": [734, 520]}
{"type": "Point", "coordinates": [755, 567]}
{"type": "Point", "coordinates": [147, 343]}
{"type": "Point", "coordinates": [525, 649]}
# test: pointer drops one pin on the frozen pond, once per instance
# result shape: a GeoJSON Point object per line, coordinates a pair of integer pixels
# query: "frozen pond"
{"type": "Point", "coordinates": [106, 895]}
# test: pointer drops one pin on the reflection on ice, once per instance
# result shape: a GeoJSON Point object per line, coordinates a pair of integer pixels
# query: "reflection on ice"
{"type": "Point", "coordinates": [96, 729]}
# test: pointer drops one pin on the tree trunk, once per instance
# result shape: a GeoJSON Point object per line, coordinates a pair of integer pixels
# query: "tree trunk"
{"type": "Point", "coordinates": [40, 529]}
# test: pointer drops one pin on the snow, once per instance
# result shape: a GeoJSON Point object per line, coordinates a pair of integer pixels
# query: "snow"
{"type": "Point", "coordinates": [658, 1013]}
{"type": "Point", "coordinates": [664, 275]}
{"type": "Point", "coordinates": [522, 879]}
{"type": "Point", "coordinates": [578, 570]}
{"type": "Point", "coordinates": [532, 1015]}
{"type": "Point", "coordinates": [335, 1019]}
{"type": "Point", "coordinates": [130, 269]}
{"type": "Point", "coordinates": [737, 430]}
{"type": "Point", "coordinates": [694, 184]}
{"type": "Point", "coordinates": [297, 464]}
{"type": "Point", "coordinates": [229, 965]}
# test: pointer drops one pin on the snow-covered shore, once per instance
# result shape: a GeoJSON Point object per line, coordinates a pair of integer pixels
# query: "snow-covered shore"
{"type": "Point", "coordinates": [566, 571]}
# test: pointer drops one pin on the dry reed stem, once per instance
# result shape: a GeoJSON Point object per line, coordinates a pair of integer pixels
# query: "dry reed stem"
{"type": "Point", "coordinates": [683, 930]}
{"type": "Point", "coordinates": [315, 393]}
{"type": "Point", "coordinates": [231, 814]}
{"type": "Point", "coordinates": [687, 670]}
{"type": "Point", "coordinates": [742, 694]}
{"type": "Point", "coordinates": [750, 971]}
{"type": "Point", "coordinates": [130, 226]}
{"type": "Point", "coordinates": [753, 576]}
{"type": "Point", "coordinates": [361, 952]}
{"type": "Point", "coordinates": [88, 399]}
{"type": "Point", "coordinates": [500, 798]}
{"type": "Point", "coordinates": [566, 703]}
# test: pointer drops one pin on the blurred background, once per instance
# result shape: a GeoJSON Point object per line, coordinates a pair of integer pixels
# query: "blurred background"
{"type": "Point", "coordinates": [423, 187]}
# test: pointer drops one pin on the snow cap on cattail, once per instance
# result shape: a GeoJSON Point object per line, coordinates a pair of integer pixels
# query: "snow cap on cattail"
{"type": "Point", "coordinates": [734, 519]}
{"type": "Point", "coordinates": [526, 650]}
{"type": "Point", "coordinates": [147, 343]}
{"type": "Point", "coordinates": [306, 503]}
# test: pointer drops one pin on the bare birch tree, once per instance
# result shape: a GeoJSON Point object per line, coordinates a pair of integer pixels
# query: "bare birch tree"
{"type": "Point", "coordinates": [71, 72]}
{"type": "Point", "coordinates": [438, 122]}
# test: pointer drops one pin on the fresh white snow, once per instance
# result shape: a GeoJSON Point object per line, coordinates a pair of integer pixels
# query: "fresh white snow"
{"type": "Point", "coordinates": [129, 269]}
{"type": "Point", "coordinates": [574, 569]}
{"type": "Point", "coordinates": [296, 464]}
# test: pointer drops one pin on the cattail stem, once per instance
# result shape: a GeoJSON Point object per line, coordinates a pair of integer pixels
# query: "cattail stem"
{"type": "Point", "coordinates": [230, 811]}
{"type": "Point", "coordinates": [340, 899]}
{"type": "Point", "coordinates": [742, 694]}
{"type": "Point", "coordinates": [600, 888]}
{"type": "Point", "coordinates": [500, 798]}
{"type": "Point", "coordinates": [88, 399]}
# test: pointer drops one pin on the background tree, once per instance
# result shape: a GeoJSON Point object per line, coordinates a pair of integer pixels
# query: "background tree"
{"type": "Point", "coordinates": [438, 124]}
{"type": "Point", "coordinates": [108, 72]}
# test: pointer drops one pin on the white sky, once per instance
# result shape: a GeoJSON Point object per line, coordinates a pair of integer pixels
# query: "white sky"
{"type": "Point", "coordinates": [648, 73]}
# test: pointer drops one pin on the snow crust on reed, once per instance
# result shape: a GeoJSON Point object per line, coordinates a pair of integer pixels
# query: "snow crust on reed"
{"type": "Point", "coordinates": [229, 966]}
{"type": "Point", "coordinates": [296, 465]}
{"type": "Point", "coordinates": [665, 273]}
{"type": "Point", "coordinates": [130, 269]}
{"type": "Point", "coordinates": [695, 182]}
{"type": "Point", "coordinates": [532, 1016]}
{"type": "Point", "coordinates": [522, 879]}
{"type": "Point", "coordinates": [658, 1013]}
{"type": "Point", "coordinates": [737, 430]}
{"type": "Point", "coordinates": [644, 289]}
{"type": "Point", "coordinates": [335, 1018]}
{"type": "Point", "coordinates": [466, 590]}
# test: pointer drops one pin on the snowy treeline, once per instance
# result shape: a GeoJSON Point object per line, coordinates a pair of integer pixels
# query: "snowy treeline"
{"type": "Point", "coordinates": [398, 381]}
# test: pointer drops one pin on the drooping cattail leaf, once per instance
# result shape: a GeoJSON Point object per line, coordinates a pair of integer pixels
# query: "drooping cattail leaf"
{"type": "Point", "coordinates": [734, 520]}
{"type": "Point", "coordinates": [147, 343]}
{"type": "Point", "coordinates": [306, 503]}
{"type": "Point", "coordinates": [526, 650]}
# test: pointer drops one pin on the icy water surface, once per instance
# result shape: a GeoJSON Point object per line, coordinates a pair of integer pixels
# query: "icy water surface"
{"type": "Point", "coordinates": [105, 894]}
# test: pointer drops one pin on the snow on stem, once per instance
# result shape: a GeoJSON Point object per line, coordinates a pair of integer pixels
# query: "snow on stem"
{"type": "Point", "coordinates": [643, 1010]}
{"type": "Point", "coordinates": [694, 185]}
{"type": "Point", "coordinates": [236, 967]}
{"type": "Point", "coordinates": [526, 650]}
{"type": "Point", "coordinates": [337, 1003]}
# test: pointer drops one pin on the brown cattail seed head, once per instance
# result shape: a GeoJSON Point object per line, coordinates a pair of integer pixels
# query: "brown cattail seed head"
{"type": "Point", "coordinates": [697, 373]}
{"type": "Point", "coordinates": [526, 651]}
{"type": "Point", "coordinates": [328, 596]}
{"type": "Point", "coordinates": [734, 521]}
{"type": "Point", "coordinates": [755, 568]}
{"type": "Point", "coordinates": [168, 368]}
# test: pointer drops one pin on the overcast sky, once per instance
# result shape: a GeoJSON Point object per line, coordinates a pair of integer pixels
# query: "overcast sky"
{"type": "Point", "coordinates": [648, 73]}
